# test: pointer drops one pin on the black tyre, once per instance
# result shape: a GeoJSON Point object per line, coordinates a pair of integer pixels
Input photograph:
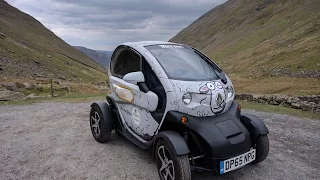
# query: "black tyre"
{"type": "Point", "coordinates": [98, 126]}
{"type": "Point", "coordinates": [170, 166]}
{"type": "Point", "coordinates": [118, 133]}
{"type": "Point", "coordinates": [262, 148]}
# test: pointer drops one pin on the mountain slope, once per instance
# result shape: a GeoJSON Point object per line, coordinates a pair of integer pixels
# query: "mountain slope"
{"type": "Point", "coordinates": [260, 42]}
{"type": "Point", "coordinates": [101, 57]}
{"type": "Point", "coordinates": [28, 49]}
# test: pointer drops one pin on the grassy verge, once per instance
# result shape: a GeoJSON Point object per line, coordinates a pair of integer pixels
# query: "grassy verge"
{"type": "Point", "coordinates": [278, 109]}
{"type": "Point", "coordinates": [73, 98]}
{"type": "Point", "coordinates": [83, 97]}
{"type": "Point", "coordinates": [90, 97]}
{"type": "Point", "coordinates": [276, 85]}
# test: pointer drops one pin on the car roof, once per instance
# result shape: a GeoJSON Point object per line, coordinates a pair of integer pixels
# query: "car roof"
{"type": "Point", "coordinates": [146, 43]}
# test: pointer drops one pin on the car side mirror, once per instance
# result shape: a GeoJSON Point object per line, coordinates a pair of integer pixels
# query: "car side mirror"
{"type": "Point", "coordinates": [134, 77]}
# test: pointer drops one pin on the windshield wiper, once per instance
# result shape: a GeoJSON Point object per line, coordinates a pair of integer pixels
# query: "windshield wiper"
{"type": "Point", "coordinates": [219, 73]}
{"type": "Point", "coordinates": [208, 60]}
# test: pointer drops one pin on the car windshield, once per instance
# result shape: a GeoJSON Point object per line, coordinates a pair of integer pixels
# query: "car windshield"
{"type": "Point", "coordinates": [181, 62]}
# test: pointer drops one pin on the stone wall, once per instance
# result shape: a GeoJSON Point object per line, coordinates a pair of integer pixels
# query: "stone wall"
{"type": "Point", "coordinates": [305, 103]}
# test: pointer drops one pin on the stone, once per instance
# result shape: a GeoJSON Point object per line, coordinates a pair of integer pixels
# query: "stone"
{"type": "Point", "coordinates": [289, 100]}
{"type": "Point", "coordinates": [57, 82]}
{"type": "Point", "coordinates": [279, 98]}
{"type": "Point", "coordinates": [255, 97]}
{"type": "Point", "coordinates": [317, 110]}
{"type": "Point", "coordinates": [268, 98]}
{"type": "Point", "coordinates": [305, 106]}
{"type": "Point", "coordinates": [285, 104]}
{"type": "Point", "coordinates": [103, 88]}
{"type": "Point", "coordinates": [3, 88]}
{"type": "Point", "coordinates": [296, 105]}
{"type": "Point", "coordinates": [306, 103]}
{"type": "Point", "coordinates": [63, 88]}
{"type": "Point", "coordinates": [11, 87]}
{"type": "Point", "coordinates": [36, 62]}
{"type": "Point", "coordinates": [33, 96]}
{"type": "Point", "coordinates": [316, 100]}
{"type": "Point", "coordinates": [11, 95]}
{"type": "Point", "coordinates": [39, 88]}
{"type": "Point", "coordinates": [275, 103]}
{"type": "Point", "coordinates": [11, 51]}
{"type": "Point", "coordinates": [28, 86]}
{"type": "Point", "coordinates": [2, 36]}
{"type": "Point", "coordinates": [19, 85]}
{"type": "Point", "coordinates": [295, 100]}
{"type": "Point", "coordinates": [62, 77]}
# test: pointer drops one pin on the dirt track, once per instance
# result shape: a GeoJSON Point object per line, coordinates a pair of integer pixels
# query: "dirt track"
{"type": "Point", "coordinates": [53, 141]}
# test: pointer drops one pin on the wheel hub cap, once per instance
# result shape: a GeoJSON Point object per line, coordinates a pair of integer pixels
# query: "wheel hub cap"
{"type": "Point", "coordinates": [95, 123]}
{"type": "Point", "coordinates": [166, 170]}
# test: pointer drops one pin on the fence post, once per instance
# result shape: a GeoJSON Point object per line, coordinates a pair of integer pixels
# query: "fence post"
{"type": "Point", "coordinates": [51, 88]}
{"type": "Point", "coordinates": [68, 86]}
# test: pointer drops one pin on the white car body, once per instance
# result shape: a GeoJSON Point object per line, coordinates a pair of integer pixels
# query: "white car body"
{"type": "Point", "coordinates": [208, 97]}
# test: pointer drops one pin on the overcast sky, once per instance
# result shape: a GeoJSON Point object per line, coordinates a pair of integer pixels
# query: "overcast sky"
{"type": "Point", "coordinates": [103, 24]}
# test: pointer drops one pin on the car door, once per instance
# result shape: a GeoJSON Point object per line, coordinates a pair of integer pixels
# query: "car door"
{"type": "Point", "coordinates": [134, 105]}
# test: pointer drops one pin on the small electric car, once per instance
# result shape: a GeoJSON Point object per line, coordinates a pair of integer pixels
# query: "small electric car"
{"type": "Point", "coordinates": [174, 100]}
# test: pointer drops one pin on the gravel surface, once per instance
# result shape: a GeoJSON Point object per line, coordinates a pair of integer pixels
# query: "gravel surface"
{"type": "Point", "coordinates": [53, 141]}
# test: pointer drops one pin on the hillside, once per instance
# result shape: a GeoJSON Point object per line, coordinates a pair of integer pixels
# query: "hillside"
{"type": "Point", "coordinates": [265, 46]}
{"type": "Point", "coordinates": [30, 50]}
{"type": "Point", "coordinates": [102, 57]}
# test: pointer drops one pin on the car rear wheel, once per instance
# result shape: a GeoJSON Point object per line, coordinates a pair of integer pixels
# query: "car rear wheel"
{"type": "Point", "coordinates": [98, 126]}
{"type": "Point", "coordinates": [262, 148]}
{"type": "Point", "coordinates": [171, 166]}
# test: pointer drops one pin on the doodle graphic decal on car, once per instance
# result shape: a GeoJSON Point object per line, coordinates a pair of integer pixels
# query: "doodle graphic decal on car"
{"type": "Point", "coordinates": [217, 96]}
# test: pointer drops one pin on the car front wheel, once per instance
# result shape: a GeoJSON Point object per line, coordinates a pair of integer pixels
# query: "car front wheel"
{"type": "Point", "coordinates": [262, 148]}
{"type": "Point", "coordinates": [171, 166]}
{"type": "Point", "coordinates": [98, 125]}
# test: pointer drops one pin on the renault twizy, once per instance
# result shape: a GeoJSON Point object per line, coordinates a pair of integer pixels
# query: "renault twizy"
{"type": "Point", "coordinates": [174, 100]}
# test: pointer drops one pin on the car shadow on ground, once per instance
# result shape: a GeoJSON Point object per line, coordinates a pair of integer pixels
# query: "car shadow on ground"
{"type": "Point", "coordinates": [146, 156]}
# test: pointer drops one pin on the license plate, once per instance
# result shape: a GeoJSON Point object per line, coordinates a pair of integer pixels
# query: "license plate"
{"type": "Point", "coordinates": [237, 162]}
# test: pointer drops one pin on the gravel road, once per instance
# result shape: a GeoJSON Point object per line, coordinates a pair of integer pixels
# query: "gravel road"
{"type": "Point", "coordinates": [53, 141]}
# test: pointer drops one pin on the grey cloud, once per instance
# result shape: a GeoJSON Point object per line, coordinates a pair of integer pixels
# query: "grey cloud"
{"type": "Point", "coordinates": [103, 24]}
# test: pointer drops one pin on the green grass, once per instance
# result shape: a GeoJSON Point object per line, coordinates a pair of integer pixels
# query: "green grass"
{"type": "Point", "coordinates": [72, 98]}
{"type": "Point", "coordinates": [83, 97]}
{"type": "Point", "coordinates": [277, 109]}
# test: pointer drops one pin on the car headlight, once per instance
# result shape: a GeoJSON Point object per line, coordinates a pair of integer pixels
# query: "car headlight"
{"type": "Point", "coordinates": [230, 92]}
{"type": "Point", "coordinates": [186, 98]}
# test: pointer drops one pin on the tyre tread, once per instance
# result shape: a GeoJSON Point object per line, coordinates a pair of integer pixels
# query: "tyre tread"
{"type": "Point", "coordinates": [104, 135]}
{"type": "Point", "coordinates": [182, 163]}
{"type": "Point", "coordinates": [185, 167]}
{"type": "Point", "coordinates": [262, 149]}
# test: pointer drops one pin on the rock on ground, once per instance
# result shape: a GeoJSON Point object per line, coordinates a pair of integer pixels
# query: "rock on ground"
{"type": "Point", "coordinates": [11, 95]}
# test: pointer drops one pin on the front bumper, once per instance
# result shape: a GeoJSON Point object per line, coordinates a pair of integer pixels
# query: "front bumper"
{"type": "Point", "coordinates": [217, 137]}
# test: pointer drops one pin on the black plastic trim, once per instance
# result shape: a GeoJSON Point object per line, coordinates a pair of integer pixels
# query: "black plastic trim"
{"type": "Point", "coordinates": [255, 126]}
{"type": "Point", "coordinates": [220, 136]}
{"type": "Point", "coordinates": [176, 142]}
{"type": "Point", "coordinates": [108, 119]}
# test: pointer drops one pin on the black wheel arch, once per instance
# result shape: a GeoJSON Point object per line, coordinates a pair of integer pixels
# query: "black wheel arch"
{"type": "Point", "coordinates": [175, 141]}
{"type": "Point", "coordinates": [254, 125]}
{"type": "Point", "coordinates": [108, 118]}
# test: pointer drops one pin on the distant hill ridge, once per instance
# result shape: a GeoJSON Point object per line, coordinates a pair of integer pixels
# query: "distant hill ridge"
{"type": "Point", "coordinates": [102, 57]}
{"type": "Point", "coordinates": [29, 49]}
